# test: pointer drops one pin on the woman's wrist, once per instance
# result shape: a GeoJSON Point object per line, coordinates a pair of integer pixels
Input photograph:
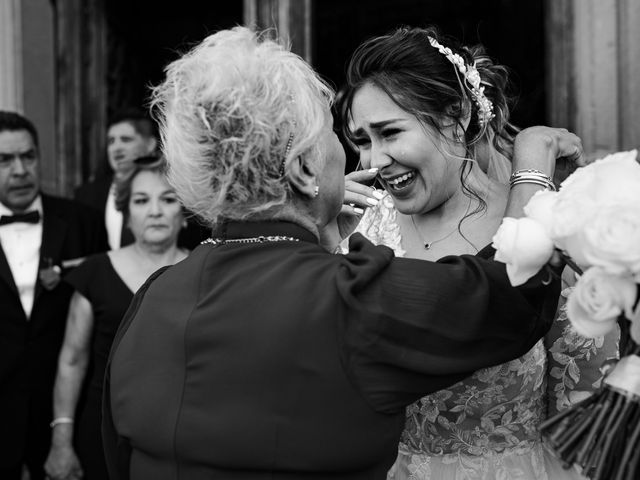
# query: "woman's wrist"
{"type": "Point", "coordinates": [519, 196]}
{"type": "Point", "coordinates": [532, 175]}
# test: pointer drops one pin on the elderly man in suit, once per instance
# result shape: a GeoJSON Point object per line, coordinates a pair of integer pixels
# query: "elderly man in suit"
{"type": "Point", "coordinates": [39, 234]}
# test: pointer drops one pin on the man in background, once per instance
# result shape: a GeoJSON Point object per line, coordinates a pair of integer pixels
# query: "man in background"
{"type": "Point", "coordinates": [131, 134]}
{"type": "Point", "coordinates": [39, 235]}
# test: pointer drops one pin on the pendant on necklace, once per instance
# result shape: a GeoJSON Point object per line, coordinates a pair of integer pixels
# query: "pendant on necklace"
{"type": "Point", "coordinates": [427, 245]}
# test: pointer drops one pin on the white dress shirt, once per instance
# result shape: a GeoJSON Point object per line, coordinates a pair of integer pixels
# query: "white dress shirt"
{"type": "Point", "coordinates": [113, 219]}
{"type": "Point", "coordinates": [21, 245]}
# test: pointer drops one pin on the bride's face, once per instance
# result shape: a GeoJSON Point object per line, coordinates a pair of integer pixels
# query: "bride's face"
{"type": "Point", "coordinates": [418, 165]}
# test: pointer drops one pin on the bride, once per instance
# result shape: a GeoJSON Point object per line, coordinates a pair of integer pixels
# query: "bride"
{"type": "Point", "coordinates": [429, 118]}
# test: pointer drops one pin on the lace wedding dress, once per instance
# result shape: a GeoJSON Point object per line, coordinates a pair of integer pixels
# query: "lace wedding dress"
{"type": "Point", "coordinates": [485, 426]}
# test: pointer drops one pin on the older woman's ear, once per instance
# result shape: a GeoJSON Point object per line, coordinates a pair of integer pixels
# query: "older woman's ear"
{"type": "Point", "coordinates": [302, 177]}
{"type": "Point", "coordinates": [152, 145]}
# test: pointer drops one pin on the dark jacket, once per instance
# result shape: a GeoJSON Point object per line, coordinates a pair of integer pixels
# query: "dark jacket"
{"type": "Point", "coordinates": [29, 348]}
{"type": "Point", "coordinates": [278, 360]}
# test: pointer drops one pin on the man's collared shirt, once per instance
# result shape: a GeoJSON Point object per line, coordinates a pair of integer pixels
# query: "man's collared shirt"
{"type": "Point", "coordinates": [21, 244]}
{"type": "Point", "coordinates": [113, 219]}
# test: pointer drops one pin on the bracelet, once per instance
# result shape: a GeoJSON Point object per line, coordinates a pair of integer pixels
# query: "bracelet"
{"type": "Point", "coordinates": [61, 421]}
{"type": "Point", "coordinates": [530, 175]}
{"type": "Point", "coordinates": [533, 181]}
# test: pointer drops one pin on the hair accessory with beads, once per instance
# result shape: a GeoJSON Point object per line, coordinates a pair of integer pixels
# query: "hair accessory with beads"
{"type": "Point", "coordinates": [472, 79]}
{"type": "Point", "coordinates": [287, 149]}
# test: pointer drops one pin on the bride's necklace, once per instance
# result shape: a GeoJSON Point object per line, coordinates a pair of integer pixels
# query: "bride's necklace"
{"type": "Point", "coordinates": [428, 245]}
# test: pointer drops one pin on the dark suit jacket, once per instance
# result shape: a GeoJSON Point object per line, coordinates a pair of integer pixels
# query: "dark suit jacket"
{"type": "Point", "coordinates": [279, 361]}
{"type": "Point", "coordinates": [29, 348]}
{"type": "Point", "coordinates": [94, 194]}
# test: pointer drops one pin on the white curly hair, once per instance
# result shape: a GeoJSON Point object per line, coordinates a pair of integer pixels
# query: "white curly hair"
{"type": "Point", "coordinates": [226, 112]}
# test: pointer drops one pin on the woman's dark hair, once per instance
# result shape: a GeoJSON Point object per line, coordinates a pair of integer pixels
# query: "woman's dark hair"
{"type": "Point", "coordinates": [139, 120]}
{"type": "Point", "coordinates": [123, 185]}
{"type": "Point", "coordinates": [423, 82]}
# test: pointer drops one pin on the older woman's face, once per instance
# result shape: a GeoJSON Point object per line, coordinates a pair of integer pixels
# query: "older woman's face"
{"type": "Point", "coordinates": [155, 215]}
{"type": "Point", "coordinates": [331, 179]}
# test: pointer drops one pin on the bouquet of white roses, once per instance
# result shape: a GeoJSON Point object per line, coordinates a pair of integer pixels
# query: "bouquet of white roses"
{"type": "Point", "coordinates": [594, 221]}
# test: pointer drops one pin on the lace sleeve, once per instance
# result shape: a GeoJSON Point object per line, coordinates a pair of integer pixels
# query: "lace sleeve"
{"type": "Point", "coordinates": [574, 361]}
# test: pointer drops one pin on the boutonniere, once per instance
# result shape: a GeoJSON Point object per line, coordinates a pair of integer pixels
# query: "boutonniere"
{"type": "Point", "coordinates": [49, 275]}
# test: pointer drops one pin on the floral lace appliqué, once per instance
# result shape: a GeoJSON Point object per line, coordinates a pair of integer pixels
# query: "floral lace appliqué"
{"type": "Point", "coordinates": [486, 426]}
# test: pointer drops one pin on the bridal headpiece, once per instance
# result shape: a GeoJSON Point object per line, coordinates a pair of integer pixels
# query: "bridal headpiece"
{"type": "Point", "coordinates": [472, 81]}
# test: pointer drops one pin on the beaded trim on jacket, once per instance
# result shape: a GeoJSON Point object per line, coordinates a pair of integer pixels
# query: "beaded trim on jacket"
{"type": "Point", "coordinates": [260, 239]}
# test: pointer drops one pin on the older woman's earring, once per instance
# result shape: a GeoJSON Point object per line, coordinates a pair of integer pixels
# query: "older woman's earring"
{"type": "Point", "coordinates": [316, 191]}
{"type": "Point", "coordinates": [184, 224]}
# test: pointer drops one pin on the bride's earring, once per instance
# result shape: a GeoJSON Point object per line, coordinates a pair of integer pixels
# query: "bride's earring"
{"type": "Point", "coordinates": [316, 191]}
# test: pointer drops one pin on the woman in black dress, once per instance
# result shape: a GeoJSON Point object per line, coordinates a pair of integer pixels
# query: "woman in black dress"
{"type": "Point", "coordinates": [104, 286]}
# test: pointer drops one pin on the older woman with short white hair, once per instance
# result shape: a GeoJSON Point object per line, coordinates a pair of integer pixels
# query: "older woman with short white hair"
{"type": "Point", "coordinates": [263, 355]}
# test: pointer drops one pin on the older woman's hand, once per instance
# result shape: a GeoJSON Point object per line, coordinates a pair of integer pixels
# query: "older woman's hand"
{"type": "Point", "coordinates": [551, 150]}
{"type": "Point", "coordinates": [357, 197]}
{"type": "Point", "coordinates": [63, 464]}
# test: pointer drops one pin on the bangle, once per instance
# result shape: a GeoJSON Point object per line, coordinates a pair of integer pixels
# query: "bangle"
{"type": "Point", "coordinates": [61, 421]}
{"type": "Point", "coordinates": [534, 181]}
{"type": "Point", "coordinates": [530, 175]}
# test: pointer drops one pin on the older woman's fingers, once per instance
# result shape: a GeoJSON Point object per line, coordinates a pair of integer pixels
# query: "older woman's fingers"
{"type": "Point", "coordinates": [356, 193]}
{"type": "Point", "coordinates": [368, 198]}
{"type": "Point", "coordinates": [362, 176]}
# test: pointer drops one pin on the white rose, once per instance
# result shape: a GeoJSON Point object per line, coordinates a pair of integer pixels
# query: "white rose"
{"type": "Point", "coordinates": [574, 204]}
{"type": "Point", "coordinates": [524, 245]}
{"type": "Point", "coordinates": [618, 179]}
{"type": "Point", "coordinates": [610, 183]}
{"type": "Point", "coordinates": [611, 240]}
{"type": "Point", "coordinates": [635, 325]}
{"type": "Point", "coordinates": [541, 207]}
{"type": "Point", "coordinates": [597, 300]}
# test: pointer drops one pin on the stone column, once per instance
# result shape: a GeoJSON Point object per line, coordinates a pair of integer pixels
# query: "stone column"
{"type": "Point", "coordinates": [291, 19]}
{"type": "Point", "coordinates": [81, 54]}
{"type": "Point", "coordinates": [11, 91]}
{"type": "Point", "coordinates": [593, 52]}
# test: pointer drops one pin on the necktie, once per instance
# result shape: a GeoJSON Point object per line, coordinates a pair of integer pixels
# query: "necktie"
{"type": "Point", "coordinates": [29, 217]}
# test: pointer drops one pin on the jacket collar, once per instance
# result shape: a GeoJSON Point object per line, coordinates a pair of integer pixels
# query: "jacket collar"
{"type": "Point", "coordinates": [231, 229]}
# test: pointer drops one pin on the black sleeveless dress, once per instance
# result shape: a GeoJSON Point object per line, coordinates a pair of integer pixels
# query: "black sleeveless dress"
{"type": "Point", "coordinates": [109, 296]}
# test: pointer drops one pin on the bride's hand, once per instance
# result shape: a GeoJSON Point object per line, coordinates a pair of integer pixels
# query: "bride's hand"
{"type": "Point", "coordinates": [357, 197]}
{"type": "Point", "coordinates": [550, 150]}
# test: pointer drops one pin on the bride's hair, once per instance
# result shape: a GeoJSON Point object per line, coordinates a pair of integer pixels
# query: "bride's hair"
{"type": "Point", "coordinates": [424, 82]}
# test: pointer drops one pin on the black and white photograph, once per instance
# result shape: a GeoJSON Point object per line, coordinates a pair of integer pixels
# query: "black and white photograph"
{"type": "Point", "coordinates": [320, 239]}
